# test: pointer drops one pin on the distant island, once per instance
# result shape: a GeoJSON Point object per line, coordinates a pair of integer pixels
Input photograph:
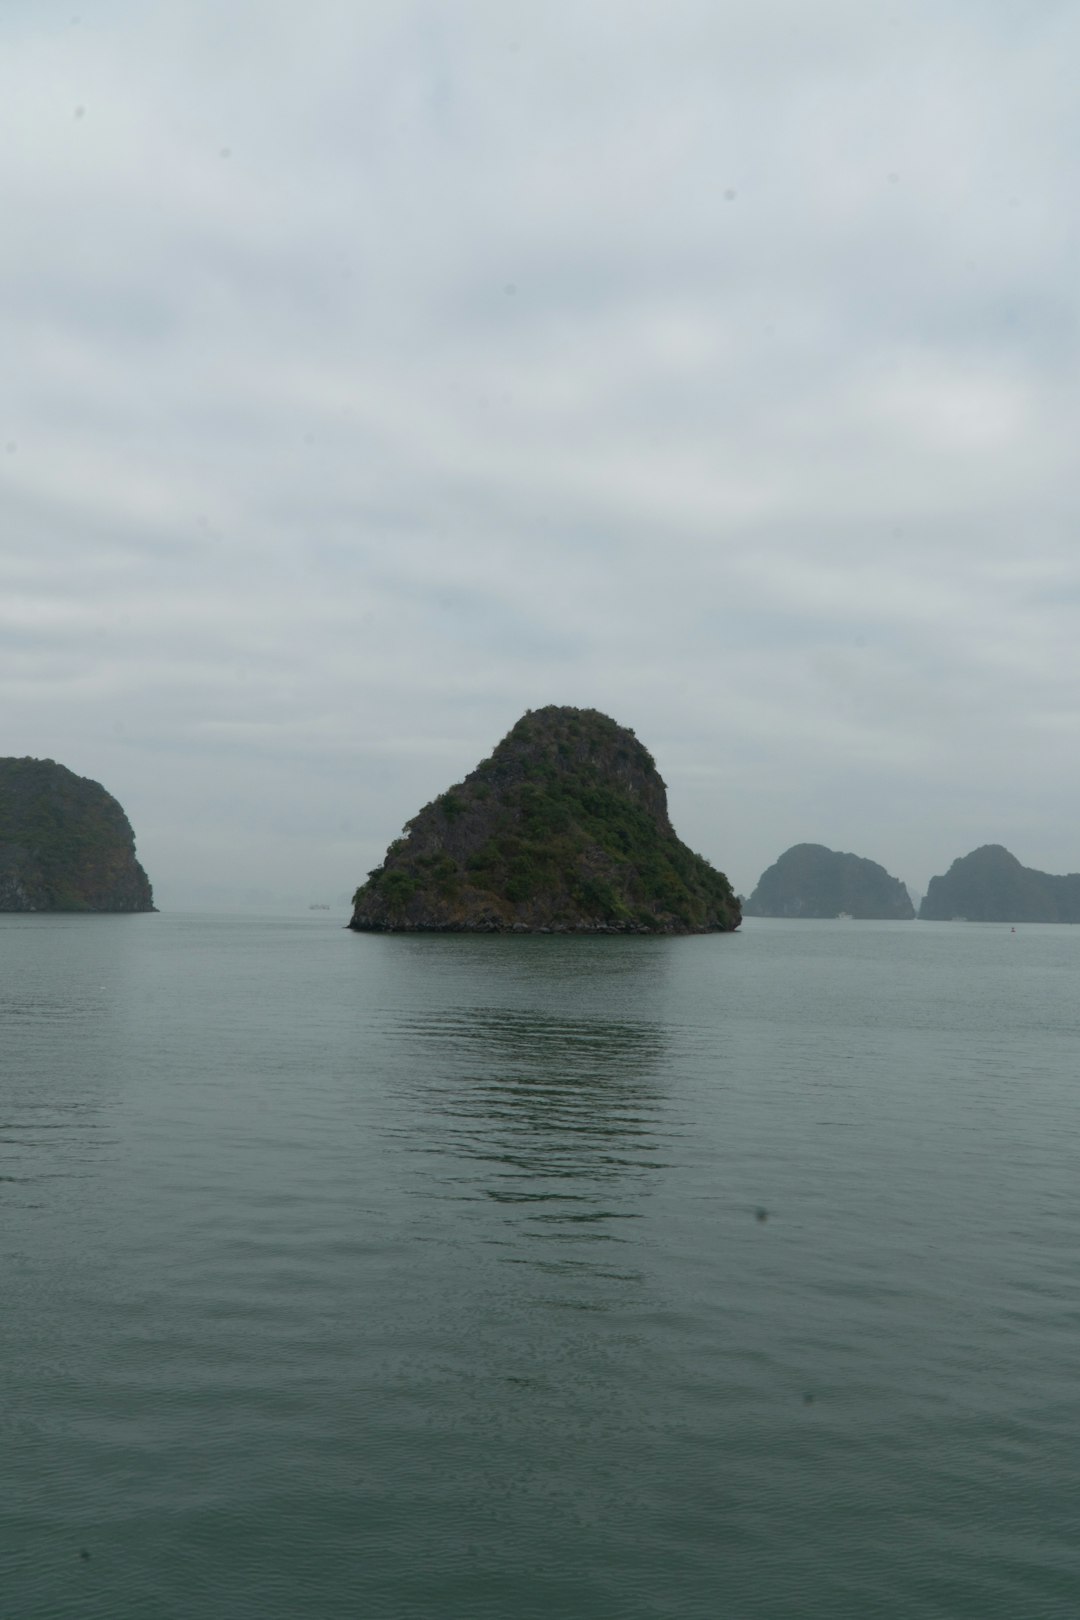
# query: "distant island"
{"type": "Point", "coordinates": [990, 885]}
{"type": "Point", "coordinates": [809, 880]}
{"type": "Point", "coordinates": [65, 844]}
{"type": "Point", "coordinates": [564, 829]}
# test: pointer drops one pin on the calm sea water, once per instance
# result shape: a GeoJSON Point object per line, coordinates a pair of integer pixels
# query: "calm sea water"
{"type": "Point", "coordinates": [359, 1276]}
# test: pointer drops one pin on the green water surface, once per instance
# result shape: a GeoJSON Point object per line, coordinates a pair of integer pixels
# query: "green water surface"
{"type": "Point", "coordinates": [735, 1276]}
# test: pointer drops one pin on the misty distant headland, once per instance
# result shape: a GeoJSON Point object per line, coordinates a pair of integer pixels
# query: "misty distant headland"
{"type": "Point", "coordinates": [987, 885]}
{"type": "Point", "coordinates": [990, 885]}
{"type": "Point", "coordinates": [809, 880]}
{"type": "Point", "coordinates": [564, 829]}
{"type": "Point", "coordinates": [65, 843]}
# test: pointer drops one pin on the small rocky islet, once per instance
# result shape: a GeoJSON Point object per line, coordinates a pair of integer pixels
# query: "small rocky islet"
{"type": "Point", "coordinates": [65, 843]}
{"type": "Point", "coordinates": [564, 829]}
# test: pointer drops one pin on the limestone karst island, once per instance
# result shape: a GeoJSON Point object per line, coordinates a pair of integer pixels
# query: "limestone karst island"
{"type": "Point", "coordinates": [65, 844]}
{"type": "Point", "coordinates": [809, 880]}
{"type": "Point", "coordinates": [564, 829]}
{"type": "Point", "coordinates": [990, 885]}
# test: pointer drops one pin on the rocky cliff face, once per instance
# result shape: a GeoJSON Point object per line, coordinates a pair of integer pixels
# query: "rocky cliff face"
{"type": "Point", "coordinates": [990, 885]}
{"type": "Point", "coordinates": [811, 881]}
{"type": "Point", "coordinates": [65, 844]}
{"type": "Point", "coordinates": [564, 829]}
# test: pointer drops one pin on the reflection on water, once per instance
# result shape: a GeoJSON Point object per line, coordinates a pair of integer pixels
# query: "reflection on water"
{"type": "Point", "coordinates": [557, 1117]}
{"type": "Point", "coordinates": [551, 1111]}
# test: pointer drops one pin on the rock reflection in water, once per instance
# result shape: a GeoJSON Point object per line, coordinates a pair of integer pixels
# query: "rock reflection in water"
{"type": "Point", "coordinates": [548, 1104]}
{"type": "Point", "coordinates": [557, 1118]}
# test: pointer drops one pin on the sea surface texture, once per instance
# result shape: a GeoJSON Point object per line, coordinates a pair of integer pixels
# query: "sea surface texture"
{"type": "Point", "coordinates": [733, 1277]}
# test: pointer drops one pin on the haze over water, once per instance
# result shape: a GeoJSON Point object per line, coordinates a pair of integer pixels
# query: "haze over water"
{"type": "Point", "coordinates": [387, 1276]}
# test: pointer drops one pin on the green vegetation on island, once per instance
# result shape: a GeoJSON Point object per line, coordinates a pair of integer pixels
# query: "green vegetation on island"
{"type": "Point", "coordinates": [811, 881]}
{"type": "Point", "coordinates": [563, 829]}
{"type": "Point", "coordinates": [65, 843]}
{"type": "Point", "coordinates": [990, 885]}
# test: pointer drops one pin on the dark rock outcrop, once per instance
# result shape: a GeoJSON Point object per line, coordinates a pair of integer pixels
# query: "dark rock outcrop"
{"type": "Point", "coordinates": [65, 844]}
{"type": "Point", "coordinates": [811, 881]}
{"type": "Point", "coordinates": [990, 885]}
{"type": "Point", "coordinates": [564, 829]}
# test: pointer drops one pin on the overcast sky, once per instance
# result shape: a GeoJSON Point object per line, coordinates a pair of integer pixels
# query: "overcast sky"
{"type": "Point", "coordinates": [374, 371]}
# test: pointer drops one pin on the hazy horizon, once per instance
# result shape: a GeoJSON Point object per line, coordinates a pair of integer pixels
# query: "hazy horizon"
{"type": "Point", "coordinates": [375, 375]}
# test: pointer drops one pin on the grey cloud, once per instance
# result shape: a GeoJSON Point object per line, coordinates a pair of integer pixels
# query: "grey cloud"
{"type": "Point", "coordinates": [310, 508]}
